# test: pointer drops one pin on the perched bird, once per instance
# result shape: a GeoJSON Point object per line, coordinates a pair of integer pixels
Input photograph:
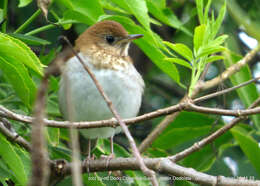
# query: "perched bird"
{"type": "Point", "coordinates": [104, 49]}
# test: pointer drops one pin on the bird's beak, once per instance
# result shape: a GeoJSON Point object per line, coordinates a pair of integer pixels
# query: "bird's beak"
{"type": "Point", "coordinates": [129, 38]}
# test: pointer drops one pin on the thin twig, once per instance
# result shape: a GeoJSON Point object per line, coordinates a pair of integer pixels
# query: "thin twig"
{"type": "Point", "coordinates": [225, 90]}
{"type": "Point", "coordinates": [12, 135]}
{"type": "Point", "coordinates": [136, 153]}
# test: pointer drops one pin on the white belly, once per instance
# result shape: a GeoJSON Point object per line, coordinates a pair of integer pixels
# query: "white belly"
{"type": "Point", "coordinates": [86, 103]}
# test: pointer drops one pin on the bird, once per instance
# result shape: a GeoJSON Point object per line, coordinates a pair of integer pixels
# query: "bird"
{"type": "Point", "coordinates": [104, 49]}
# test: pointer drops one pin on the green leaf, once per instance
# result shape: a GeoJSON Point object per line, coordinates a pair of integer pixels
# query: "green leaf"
{"type": "Point", "coordinates": [179, 135]}
{"type": "Point", "coordinates": [13, 161]}
{"type": "Point", "coordinates": [199, 4]}
{"type": "Point", "coordinates": [214, 58]}
{"type": "Point", "coordinates": [206, 12]}
{"type": "Point", "coordinates": [76, 17]}
{"type": "Point", "coordinates": [219, 40]}
{"type": "Point", "coordinates": [209, 50]}
{"type": "Point", "coordinates": [53, 136]}
{"type": "Point", "coordinates": [166, 16]}
{"type": "Point", "coordinates": [82, 11]}
{"type": "Point", "coordinates": [198, 37]}
{"type": "Point", "coordinates": [219, 20]}
{"type": "Point", "coordinates": [91, 9]}
{"type": "Point", "coordinates": [30, 40]}
{"type": "Point", "coordinates": [18, 76]}
{"type": "Point", "coordinates": [106, 4]}
{"type": "Point", "coordinates": [247, 94]}
{"type": "Point", "coordinates": [92, 179]}
{"type": "Point", "coordinates": [179, 61]}
{"type": "Point", "coordinates": [203, 159]}
{"type": "Point", "coordinates": [191, 123]}
{"type": "Point", "coordinates": [23, 3]}
{"type": "Point", "coordinates": [16, 50]}
{"type": "Point", "coordinates": [139, 9]}
{"type": "Point", "coordinates": [249, 146]}
{"type": "Point", "coordinates": [181, 49]}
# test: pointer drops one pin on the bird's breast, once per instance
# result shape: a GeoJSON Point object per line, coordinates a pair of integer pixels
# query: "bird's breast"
{"type": "Point", "coordinates": [123, 86]}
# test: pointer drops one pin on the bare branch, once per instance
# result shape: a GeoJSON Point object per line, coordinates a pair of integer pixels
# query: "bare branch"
{"type": "Point", "coordinates": [39, 154]}
{"type": "Point", "coordinates": [163, 165]}
{"type": "Point", "coordinates": [12, 135]}
{"type": "Point", "coordinates": [225, 90]}
{"type": "Point", "coordinates": [186, 106]}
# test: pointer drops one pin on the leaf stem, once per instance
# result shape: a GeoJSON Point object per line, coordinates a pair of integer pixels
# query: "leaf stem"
{"type": "Point", "coordinates": [5, 3]}
{"type": "Point", "coordinates": [48, 27]}
{"type": "Point", "coordinates": [28, 22]}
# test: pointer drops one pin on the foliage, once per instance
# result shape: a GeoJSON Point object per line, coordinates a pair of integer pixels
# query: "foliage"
{"type": "Point", "coordinates": [179, 61]}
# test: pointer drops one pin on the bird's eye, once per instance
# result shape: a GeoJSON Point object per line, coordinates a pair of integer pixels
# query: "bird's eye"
{"type": "Point", "coordinates": [110, 39]}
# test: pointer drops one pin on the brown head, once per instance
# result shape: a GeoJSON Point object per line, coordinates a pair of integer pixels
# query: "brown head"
{"type": "Point", "coordinates": [107, 36]}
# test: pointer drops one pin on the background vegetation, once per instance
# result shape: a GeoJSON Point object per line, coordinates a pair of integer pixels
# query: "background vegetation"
{"type": "Point", "coordinates": [181, 38]}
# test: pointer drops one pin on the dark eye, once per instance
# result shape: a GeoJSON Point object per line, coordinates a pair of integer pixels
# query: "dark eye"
{"type": "Point", "coordinates": [110, 39]}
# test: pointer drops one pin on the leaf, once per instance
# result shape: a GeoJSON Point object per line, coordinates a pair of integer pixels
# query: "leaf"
{"type": "Point", "coordinates": [199, 4]}
{"type": "Point", "coordinates": [247, 94]}
{"type": "Point", "coordinates": [249, 146]}
{"type": "Point", "coordinates": [91, 9]}
{"type": "Point", "coordinates": [82, 11]}
{"type": "Point", "coordinates": [16, 50]}
{"type": "Point", "coordinates": [219, 40]}
{"type": "Point", "coordinates": [53, 136]}
{"type": "Point", "coordinates": [203, 159]}
{"type": "Point", "coordinates": [166, 16]}
{"type": "Point", "coordinates": [178, 136]}
{"type": "Point", "coordinates": [209, 50]}
{"type": "Point", "coordinates": [139, 9]}
{"type": "Point", "coordinates": [206, 12]}
{"type": "Point", "coordinates": [198, 36]}
{"type": "Point", "coordinates": [30, 40]}
{"type": "Point", "coordinates": [219, 20]}
{"type": "Point", "coordinates": [23, 3]}
{"type": "Point", "coordinates": [179, 61]}
{"type": "Point", "coordinates": [17, 75]}
{"type": "Point", "coordinates": [214, 58]}
{"type": "Point", "coordinates": [13, 161]}
{"type": "Point", "coordinates": [93, 179]}
{"type": "Point", "coordinates": [191, 123]}
{"type": "Point", "coordinates": [76, 17]}
{"type": "Point", "coordinates": [181, 49]}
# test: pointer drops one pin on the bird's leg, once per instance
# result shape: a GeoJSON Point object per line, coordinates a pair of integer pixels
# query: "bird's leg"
{"type": "Point", "coordinates": [86, 161]}
{"type": "Point", "coordinates": [111, 156]}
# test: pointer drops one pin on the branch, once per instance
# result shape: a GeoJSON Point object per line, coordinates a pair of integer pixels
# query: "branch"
{"type": "Point", "coordinates": [225, 90]}
{"type": "Point", "coordinates": [7, 130]}
{"type": "Point", "coordinates": [40, 167]}
{"type": "Point", "coordinates": [186, 106]}
{"type": "Point", "coordinates": [162, 165]}
{"type": "Point", "coordinates": [110, 105]}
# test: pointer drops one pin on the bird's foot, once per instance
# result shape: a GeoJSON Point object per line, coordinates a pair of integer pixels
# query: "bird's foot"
{"type": "Point", "coordinates": [86, 162]}
{"type": "Point", "coordinates": [108, 158]}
